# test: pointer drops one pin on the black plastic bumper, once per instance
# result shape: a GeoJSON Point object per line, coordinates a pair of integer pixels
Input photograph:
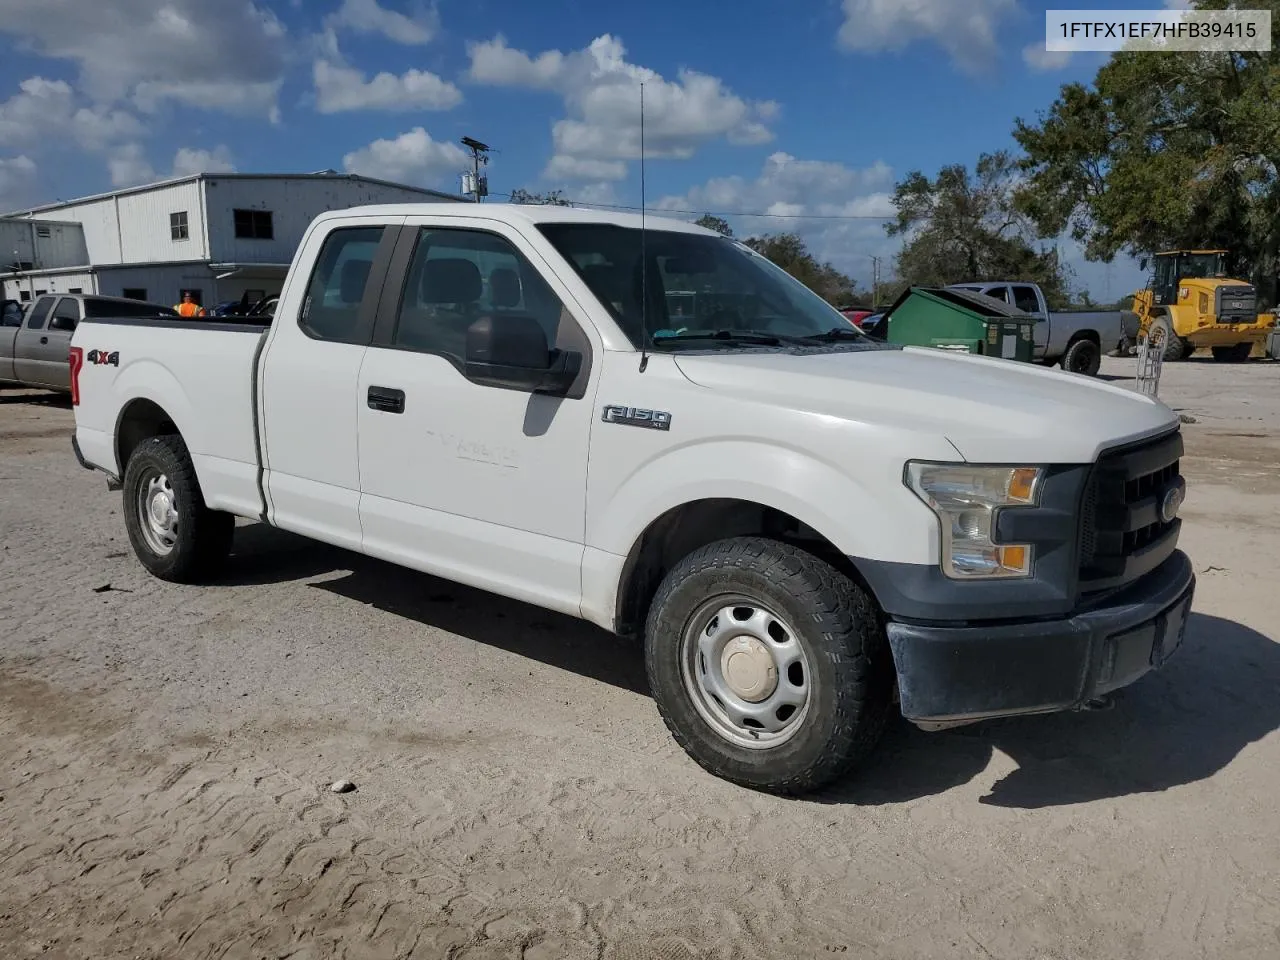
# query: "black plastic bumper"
{"type": "Point", "coordinates": [948, 672]}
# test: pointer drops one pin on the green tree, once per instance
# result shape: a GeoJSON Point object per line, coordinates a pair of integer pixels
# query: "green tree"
{"type": "Point", "coordinates": [712, 222]}
{"type": "Point", "coordinates": [1164, 150]}
{"type": "Point", "coordinates": [554, 198]}
{"type": "Point", "coordinates": [789, 252]}
{"type": "Point", "coordinates": [961, 226]}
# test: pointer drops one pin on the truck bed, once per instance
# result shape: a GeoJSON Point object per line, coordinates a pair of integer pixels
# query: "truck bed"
{"type": "Point", "coordinates": [201, 373]}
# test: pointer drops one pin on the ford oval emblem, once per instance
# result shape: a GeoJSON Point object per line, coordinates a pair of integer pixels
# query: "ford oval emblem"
{"type": "Point", "coordinates": [1170, 503]}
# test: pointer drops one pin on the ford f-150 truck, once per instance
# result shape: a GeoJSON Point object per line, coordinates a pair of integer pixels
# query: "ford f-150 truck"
{"type": "Point", "coordinates": [809, 529]}
{"type": "Point", "coordinates": [1075, 339]}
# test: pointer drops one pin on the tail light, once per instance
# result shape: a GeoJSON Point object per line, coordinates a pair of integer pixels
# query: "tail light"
{"type": "Point", "coordinates": [76, 359]}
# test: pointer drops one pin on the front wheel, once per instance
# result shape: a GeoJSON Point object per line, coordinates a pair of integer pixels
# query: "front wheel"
{"type": "Point", "coordinates": [173, 534]}
{"type": "Point", "coordinates": [770, 668]}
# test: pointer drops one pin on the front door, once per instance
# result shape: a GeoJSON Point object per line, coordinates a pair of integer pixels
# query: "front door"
{"type": "Point", "coordinates": [43, 346]}
{"type": "Point", "coordinates": [482, 484]}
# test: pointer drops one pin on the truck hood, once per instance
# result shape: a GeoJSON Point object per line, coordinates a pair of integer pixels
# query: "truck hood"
{"type": "Point", "coordinates": [994, 411]}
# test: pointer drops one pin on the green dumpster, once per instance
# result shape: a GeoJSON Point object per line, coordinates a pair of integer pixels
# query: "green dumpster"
{"type": "Point", "coordinates": [960, 320]}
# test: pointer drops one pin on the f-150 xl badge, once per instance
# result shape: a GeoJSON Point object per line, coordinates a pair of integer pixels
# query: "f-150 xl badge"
{"type": "Point", "coordinates": [103, 358]}
{"type": "Point", "coordinates": [634, 417]}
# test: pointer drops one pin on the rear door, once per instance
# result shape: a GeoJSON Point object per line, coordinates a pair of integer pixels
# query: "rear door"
{"type": "Point", "coordinates": [31, 349]}
{"type": "Point", "coordinates": [1026, 299]}
{"type": "Point", "coordinates": [309, 402]}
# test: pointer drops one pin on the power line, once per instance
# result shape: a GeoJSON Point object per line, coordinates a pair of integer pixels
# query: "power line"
{"type": "Point", "coordinates": [734, 213]}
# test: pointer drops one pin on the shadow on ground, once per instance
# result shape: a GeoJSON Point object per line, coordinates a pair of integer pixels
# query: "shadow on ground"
{"type": "Point", "coordinates": [1178, 726]}
{"type": "Point", "coordinates": [59, 400]}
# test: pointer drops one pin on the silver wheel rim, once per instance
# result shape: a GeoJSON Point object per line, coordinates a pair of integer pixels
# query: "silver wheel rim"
{"type": "Point", "coordinates": [158, 513]}
{"type": "Point", "coordinates": [746, 672]}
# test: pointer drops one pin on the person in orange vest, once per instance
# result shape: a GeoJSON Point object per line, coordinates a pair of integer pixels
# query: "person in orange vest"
{"type": "Point", "coordinates": [188, 307]}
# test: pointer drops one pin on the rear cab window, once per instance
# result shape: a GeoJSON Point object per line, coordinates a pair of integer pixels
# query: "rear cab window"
{"type": "Point", "coordinates": [40, 313]}
{"type": "Point", "coordinates": [336, 291]}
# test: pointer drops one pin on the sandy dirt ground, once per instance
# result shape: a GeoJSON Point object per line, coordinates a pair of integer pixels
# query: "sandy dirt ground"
{"type": "Point", "coordinates": [165, 753]}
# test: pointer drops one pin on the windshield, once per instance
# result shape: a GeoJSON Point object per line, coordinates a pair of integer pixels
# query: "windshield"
{"type": "Point", "coordinates": [697, 285]}
{"type": "Point", "coordinates": [1201, 265]}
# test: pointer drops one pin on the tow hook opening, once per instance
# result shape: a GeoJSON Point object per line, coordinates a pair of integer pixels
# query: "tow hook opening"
{"type": "Point", "coordinates": [1098, 704]}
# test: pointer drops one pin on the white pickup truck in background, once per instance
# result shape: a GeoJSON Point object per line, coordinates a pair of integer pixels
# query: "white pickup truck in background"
{"type": "Point", "coordinates": [1075, 339]}
{"type": "Point", "coordinates": [809, 529]}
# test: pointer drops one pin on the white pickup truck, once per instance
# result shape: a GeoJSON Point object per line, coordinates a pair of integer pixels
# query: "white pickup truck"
{"type": "Point", "coordinates": [810, 530]}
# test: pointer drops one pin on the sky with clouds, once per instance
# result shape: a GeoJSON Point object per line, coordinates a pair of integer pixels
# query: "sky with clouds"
{"type": "Point", "coordinates": [807, 112]}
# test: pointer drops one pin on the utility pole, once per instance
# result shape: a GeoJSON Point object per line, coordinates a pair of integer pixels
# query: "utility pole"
{"type": "Point", "coordinates": [473, 182]}
{"type": "Point", "coordinates": [875, 282]}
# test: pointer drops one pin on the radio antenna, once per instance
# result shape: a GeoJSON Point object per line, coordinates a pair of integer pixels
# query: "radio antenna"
{"type": "Point", "coordinates": [644, 255]}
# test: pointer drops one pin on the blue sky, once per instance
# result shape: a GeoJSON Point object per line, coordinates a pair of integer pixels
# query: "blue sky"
{"type": "Point", "coordinates": [812, 108]}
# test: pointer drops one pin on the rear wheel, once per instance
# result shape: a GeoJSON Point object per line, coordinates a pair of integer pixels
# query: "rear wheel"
{"type": "Point", "coordinates": [1236, 353]}
{"type": "Point", "coordinates": [173, 534]}
{"type": "Point", "coordinates": [769, 667]}
{"type": "Point", "coordinates": [1083, 356]}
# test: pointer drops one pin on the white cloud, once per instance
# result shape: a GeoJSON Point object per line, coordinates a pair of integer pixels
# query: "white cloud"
{"type": "Point", "coordinates": [601, 94]}
{"type": "Point", "coordinates": [1178, 4]}
{"type": "Point", "coordinates": [563, 167]}
{"type": "Point", "coordinates": [226, 56]}
{"type": "Point", "coordinates": [46, 110]}
{"type": "Point", "coordinates": [366, 16]}
{"type": "Point", "coordinates": [412, 157]}
{"type": "Point", "coordinates": [1035, 56]}
{"type": "Point", "coordinates": [188, 161]}
{"type": "Point", "coordinates": [342, 88]}
{"type": "Point", "coordinates": [128, 164]}
{"type": "Point", "coordinates": [17, 178]}
{"type": "Point", "coordinates": [797, 194]}
{"type": "Point", "coordinates": [966, 29]}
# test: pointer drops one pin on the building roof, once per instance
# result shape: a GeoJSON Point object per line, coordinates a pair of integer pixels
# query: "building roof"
{"type": "Point", "coordinates": [519, 214]}
{"type": "Point", "coordinates": [193, 178]}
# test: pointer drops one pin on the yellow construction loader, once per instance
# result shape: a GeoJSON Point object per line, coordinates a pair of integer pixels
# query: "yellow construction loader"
{"type": "Point", "coordinates": [1198, 305]}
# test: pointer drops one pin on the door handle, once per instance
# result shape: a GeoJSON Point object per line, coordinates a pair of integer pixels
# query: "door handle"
{"type": "Point", "coordinates": [386, 399]}
{"type": "Point", "coordinates": [44, 339]}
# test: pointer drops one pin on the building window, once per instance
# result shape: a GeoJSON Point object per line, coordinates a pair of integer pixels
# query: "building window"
{"type": "Point", "coordinates": [75, 289]}
{"type": "Point", "coordinates": [178, 225]}
{"type": "Point", "coordinates": [134, 293]}
{"type": "Point", "coordinates": [24, 296]}
{"type": "Point", "coordinates": [254, 225]}
{"type": "Point", "coordinates": [43, 232]}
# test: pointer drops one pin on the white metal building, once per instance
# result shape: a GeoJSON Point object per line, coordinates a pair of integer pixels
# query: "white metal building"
{"type": "Point", "coordinates": [217, 235]}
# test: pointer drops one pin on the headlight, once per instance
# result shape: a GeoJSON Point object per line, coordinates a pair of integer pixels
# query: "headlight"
{"type": "Point", "coordinates": [967, 501]}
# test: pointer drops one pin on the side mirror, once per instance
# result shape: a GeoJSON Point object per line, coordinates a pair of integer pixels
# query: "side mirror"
{"type": "Point", "coordinates": [62, 323]}
{"type": "Point", "coordinates": [511, 352]}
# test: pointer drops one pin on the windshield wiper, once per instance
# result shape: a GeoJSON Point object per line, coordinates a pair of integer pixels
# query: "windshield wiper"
{"type": "Point", "coordinates": [836, 334]}
{"type": "Point", "coordinates": [730, 337]}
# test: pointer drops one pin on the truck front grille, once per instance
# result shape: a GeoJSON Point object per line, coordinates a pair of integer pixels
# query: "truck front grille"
{"type": "Point", "coordinates": [1122, 533]}
{"type": "Point", "coordinates": [1236, 304]}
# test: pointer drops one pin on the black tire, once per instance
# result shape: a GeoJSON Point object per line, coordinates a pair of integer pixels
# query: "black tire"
{"type": "Point", "coordinates": [1083, 356]}
{"type": "Point", "coordinates": [1176, 348]}
{"type": "Point", "coordinates": [202, 537]}
{"type": "Point", "coordinates": [1236, 353]}
{"type": "Point", "coordinates": [849, 678]}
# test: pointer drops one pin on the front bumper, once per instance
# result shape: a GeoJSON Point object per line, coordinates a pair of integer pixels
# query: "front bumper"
{"type": "Point", "coordinates": [969, 672]}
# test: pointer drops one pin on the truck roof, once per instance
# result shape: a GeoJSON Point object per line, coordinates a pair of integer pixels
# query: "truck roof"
{"type": "Point", "coordinates": [519, 213]}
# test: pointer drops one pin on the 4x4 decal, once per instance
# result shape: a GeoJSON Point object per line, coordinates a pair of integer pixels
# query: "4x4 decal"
{"type": "Point", "coordinates": [103, 358]}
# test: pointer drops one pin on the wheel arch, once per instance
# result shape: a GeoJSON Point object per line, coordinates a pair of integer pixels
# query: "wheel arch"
{"type": "Point", "coordinates": [140, 419]}
{"type": "Point", "coordinates": [681, 530]}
